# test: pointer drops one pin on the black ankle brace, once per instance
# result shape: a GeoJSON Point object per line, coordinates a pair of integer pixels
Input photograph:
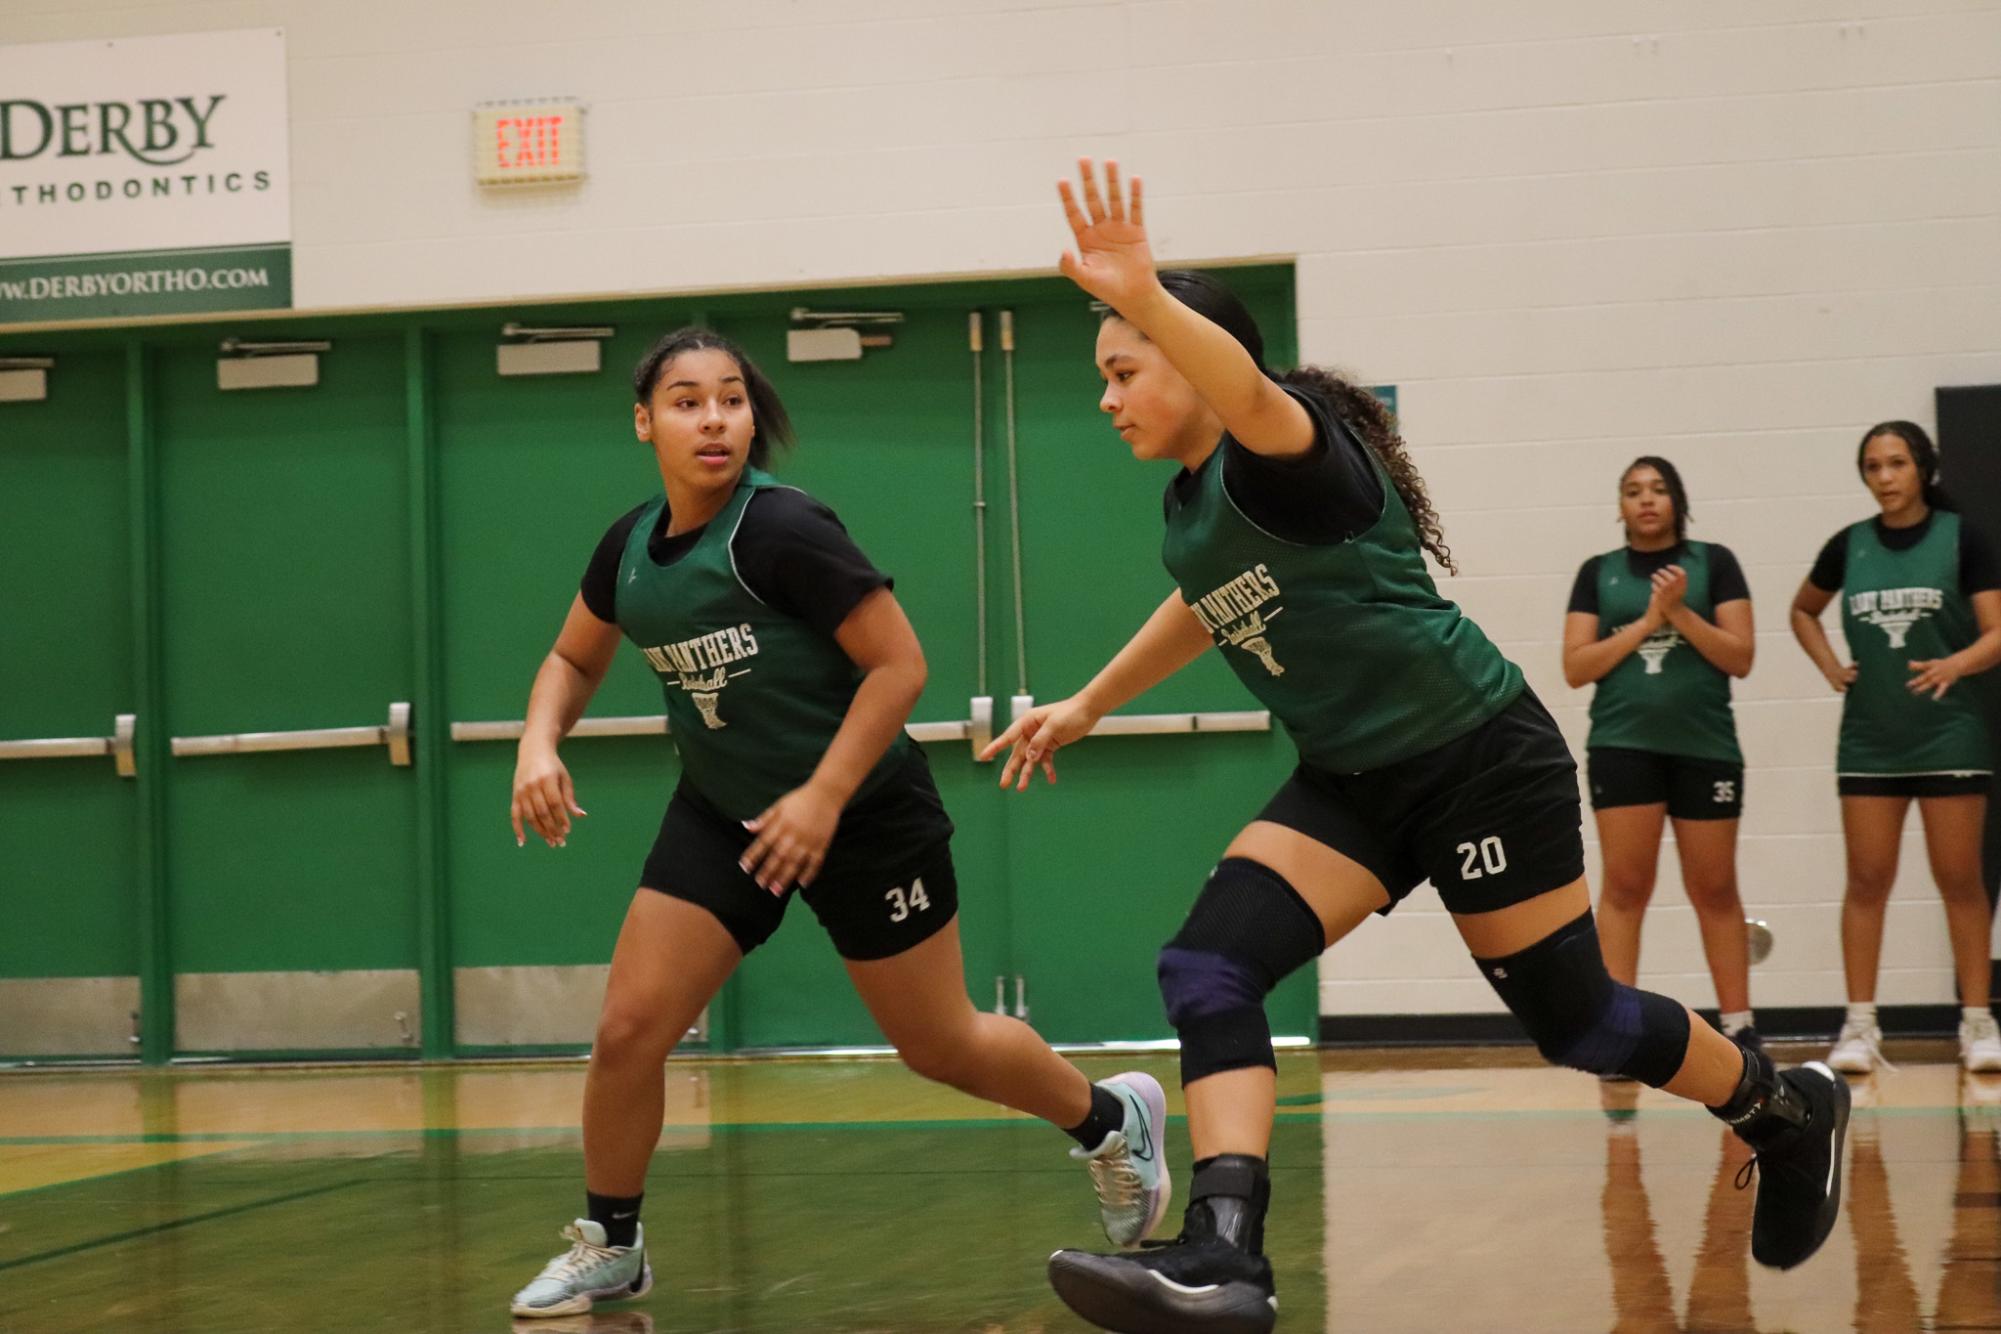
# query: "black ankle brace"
{"type": "Point", "coordinates": [1763, 1105]}
{"type": "Point", "coordinates": [1228, 1199]}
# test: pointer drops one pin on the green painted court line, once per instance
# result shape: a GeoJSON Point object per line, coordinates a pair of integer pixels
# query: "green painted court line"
{"type": "Point", "coordinates": [157, 1228]}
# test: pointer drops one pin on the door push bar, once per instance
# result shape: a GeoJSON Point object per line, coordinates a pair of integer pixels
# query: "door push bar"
{"type": "Point", "coordinates": [1163, 724]}
{"type": "Point", "coordinates": [118, 746]}
{"type": "Point", "coordinates": [978, 729]}
{"type": "Point", "coordinates": [395, 735]}
{"type": "Point", "coordinates": [654, 724]}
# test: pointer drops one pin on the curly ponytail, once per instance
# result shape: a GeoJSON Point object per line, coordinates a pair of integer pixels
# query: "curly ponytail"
{"type": "Point", "coordinates": [1358, 409]}
{"type": "Point", "coordinates": [1376, 427]}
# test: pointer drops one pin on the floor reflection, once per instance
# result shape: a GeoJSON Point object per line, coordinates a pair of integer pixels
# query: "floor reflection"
{"type": "Point", "coordinates": [1940, 1270]}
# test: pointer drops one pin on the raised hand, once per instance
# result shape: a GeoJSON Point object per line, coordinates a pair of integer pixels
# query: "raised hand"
{"type": "Point", "coordinates": [1112, 260]}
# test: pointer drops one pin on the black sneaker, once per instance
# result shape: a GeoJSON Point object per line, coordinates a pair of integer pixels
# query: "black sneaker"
{"type": "Point", "coordinates": [1212, 1279]}
{"type": "Point", "coordinates": [1185, 1286]}
{"type": "Point", "coordinates": [1798, 1133]}
{"type": "Point", "coordinates": [1748, 1039]}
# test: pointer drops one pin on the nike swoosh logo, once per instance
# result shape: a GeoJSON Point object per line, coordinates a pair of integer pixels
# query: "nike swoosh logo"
{"type": "Point", "coordinates": [1145, 1150]}
{"type": "Point", "coordinates": [1834, 1160]}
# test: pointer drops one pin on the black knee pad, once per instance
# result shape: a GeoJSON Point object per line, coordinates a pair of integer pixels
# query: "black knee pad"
{"type": "Point", "coordinates": [1247, 930]}
{"type": "Point", "coordinates": [1578, 1016]}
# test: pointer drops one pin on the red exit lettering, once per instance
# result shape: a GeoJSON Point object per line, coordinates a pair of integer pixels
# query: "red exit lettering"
{"type": "Point", "coordinates": [528, 141]}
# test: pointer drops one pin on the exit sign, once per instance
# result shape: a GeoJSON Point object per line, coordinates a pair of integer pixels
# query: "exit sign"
{"type": "Point", "coordinates": [528, 142]}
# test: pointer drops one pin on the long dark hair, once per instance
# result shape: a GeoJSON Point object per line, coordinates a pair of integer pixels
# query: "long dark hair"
{"type": "Point", "coordinates": [1359, 410]}
{"type": "Point", "coordinates": [1676, 491]}
{"type": "Point", "coordinates": [1924, 454]}
{"type": "Point", "coordinates": [770, 424]}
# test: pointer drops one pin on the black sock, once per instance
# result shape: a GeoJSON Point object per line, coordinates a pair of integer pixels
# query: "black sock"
{"type": "Point", "coordinates": [618, 1215]}
{"type": "Point", "coordinates": [1108, 1113]}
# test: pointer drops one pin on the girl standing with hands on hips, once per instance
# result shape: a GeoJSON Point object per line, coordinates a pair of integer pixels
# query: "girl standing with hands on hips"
{"type": "Point", "coordinates": [1921, 608]}
{"type": "Point", "coordinates": [1661, 625]}
{"type": "Point", "coordinates": [1297, 528]}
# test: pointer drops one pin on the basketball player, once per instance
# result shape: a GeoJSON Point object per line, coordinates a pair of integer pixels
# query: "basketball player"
{"type": "Point", "coordinates": [789, 671]}
{"type": "Point", "coordinates": [1296, 532]}
{"type": "Point", "coordinates": [1920, 608]}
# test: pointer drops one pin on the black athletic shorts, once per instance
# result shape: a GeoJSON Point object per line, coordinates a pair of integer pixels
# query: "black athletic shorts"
{"type": "Point", "coordinates": [887, 883]}
{"type": "Point", "coordinates": [1491, 818]}
{"type": "Point", "coordinates": [1914, 785]}
{"type": "Point", "coordinates": [1693, 789]}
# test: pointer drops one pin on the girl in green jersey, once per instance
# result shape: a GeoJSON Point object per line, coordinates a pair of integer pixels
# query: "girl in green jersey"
{"type": "Point", "coordinates": [788, 669]}
{"type": "Point", "coordinates": [1297, 529]}
{"type": "Point", "coordinates": [1920, 609]}
{"type": "Point", "coordinates": [1661, 625]}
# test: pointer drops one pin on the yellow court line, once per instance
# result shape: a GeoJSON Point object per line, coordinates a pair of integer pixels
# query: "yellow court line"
{"type": "Point", "coordinates": [32, 1166]}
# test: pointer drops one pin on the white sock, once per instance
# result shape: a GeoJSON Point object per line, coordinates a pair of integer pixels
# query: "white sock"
{"type": "Point", "coordinates": [1735, 1022]}
{"type": "Point", "coordinates": [1973, 1011]}
{"type": "Point", "coordinates": [1862, 1012]}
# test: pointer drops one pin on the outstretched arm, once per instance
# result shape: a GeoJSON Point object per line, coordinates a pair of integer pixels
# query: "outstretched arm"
{"type": "Point", "coordinates": [1170, 640]}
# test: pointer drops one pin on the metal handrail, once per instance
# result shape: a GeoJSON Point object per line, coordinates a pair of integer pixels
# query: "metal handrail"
{"type": "Point", "coordinates": [118, 746]}
{"type": "Point", "coordinates": [395, 735]}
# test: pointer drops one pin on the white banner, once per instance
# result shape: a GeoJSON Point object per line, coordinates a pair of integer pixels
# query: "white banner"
{"type": "Point", "coordinates": [136, 146]}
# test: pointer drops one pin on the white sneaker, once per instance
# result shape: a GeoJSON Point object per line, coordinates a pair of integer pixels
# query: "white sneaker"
{"type": "Point", "coordinates": [1859, 1049]}
{"type": "Point", "coordinates": [1980, 1043]}
{"type": "Point", "coordinates": [1130, 1168]}
{"type": "Point", "coordinates": [588, 1272]}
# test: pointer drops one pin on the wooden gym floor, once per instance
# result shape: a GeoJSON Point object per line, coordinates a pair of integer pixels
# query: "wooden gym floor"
{"type": "Point", "coordinates": [1413, 1191]}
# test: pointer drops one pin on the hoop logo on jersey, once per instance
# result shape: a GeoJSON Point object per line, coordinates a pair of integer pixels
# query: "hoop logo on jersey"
{"type": "Point", "coordinates": [1895, 610]}
{"type": "Point", "coordinates": [700, 666]}
{"type": "Point", "coordinates": [1234, 613]}
{"type": "Point", "coordinates": [1654, 650]}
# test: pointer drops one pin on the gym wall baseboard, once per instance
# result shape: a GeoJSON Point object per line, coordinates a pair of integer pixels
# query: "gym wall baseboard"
{"type": "Point", "coordinates": [1780, 1023]}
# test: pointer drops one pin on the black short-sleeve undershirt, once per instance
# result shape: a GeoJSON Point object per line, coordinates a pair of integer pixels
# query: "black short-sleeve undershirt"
{"type": "Point", "coordinates": [1328, 494]}
{"type": "Point", "coordinates": [791, 552]}
{"type": "Point", "coordinates": [1726, 576]}
{"type": "Point", "coordinates": [1979, 569]}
